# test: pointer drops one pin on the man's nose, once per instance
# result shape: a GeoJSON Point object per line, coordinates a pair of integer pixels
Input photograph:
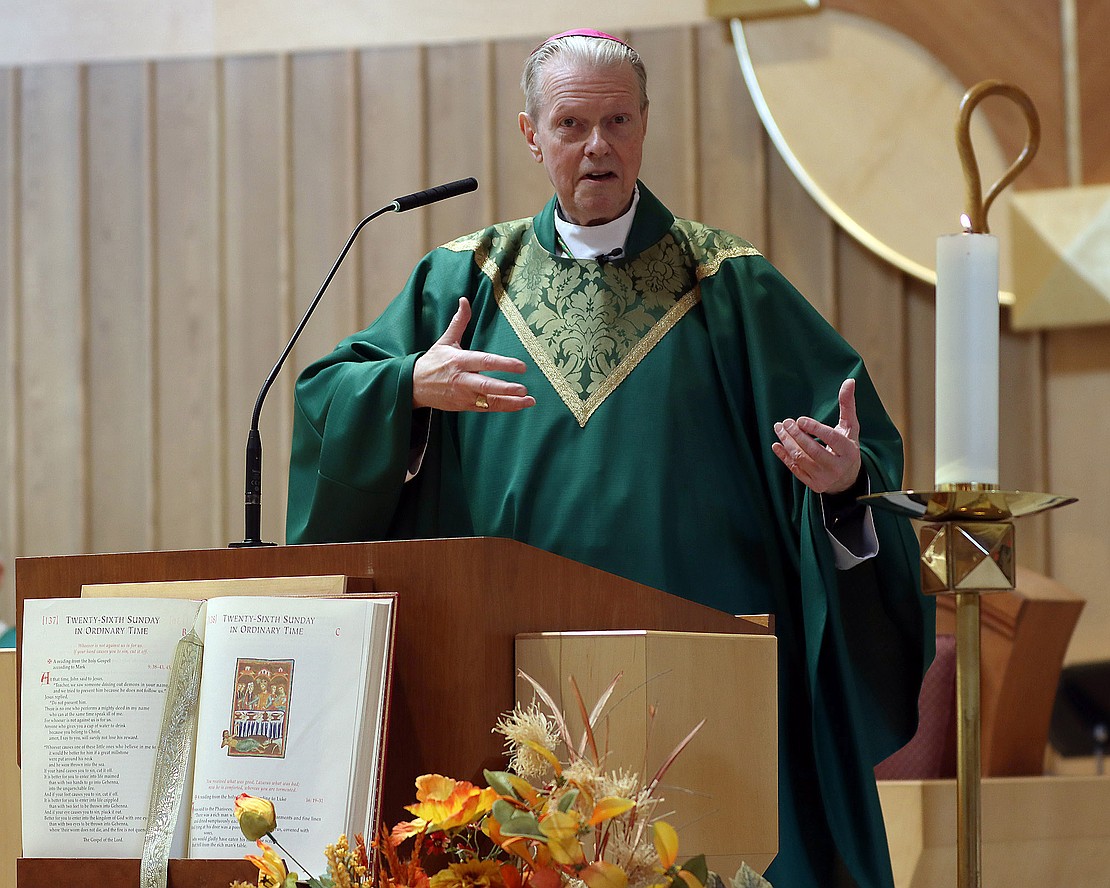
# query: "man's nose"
{"type": "Point", "coordinates": [596, 143]}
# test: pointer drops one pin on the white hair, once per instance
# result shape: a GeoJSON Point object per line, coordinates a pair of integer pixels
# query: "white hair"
{"type": "Point", "coordinates": [578, 51]}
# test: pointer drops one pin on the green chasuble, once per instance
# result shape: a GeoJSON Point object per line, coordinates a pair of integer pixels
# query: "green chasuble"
{"type": "Point", "coordinates": [658, 379]}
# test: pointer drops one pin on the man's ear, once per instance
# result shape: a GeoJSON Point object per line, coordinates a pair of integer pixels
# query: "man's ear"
{"type": "Point", "coordinates": [529, 132]}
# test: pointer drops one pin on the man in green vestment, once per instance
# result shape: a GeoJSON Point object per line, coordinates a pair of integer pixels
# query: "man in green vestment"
{"type": "Point", "coordinates": [649, 396]}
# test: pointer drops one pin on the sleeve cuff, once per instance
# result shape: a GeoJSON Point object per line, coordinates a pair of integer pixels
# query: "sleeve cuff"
{"type": "Point", "coordinates": [850, 525]}
{"type": "Point", "coordinates": [419, 434]}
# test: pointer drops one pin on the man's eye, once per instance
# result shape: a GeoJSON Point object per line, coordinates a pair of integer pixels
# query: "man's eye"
{"type": "Point", "coordinates": [567, 121]}
{"type": "Point", "coordinates": [621, 118]}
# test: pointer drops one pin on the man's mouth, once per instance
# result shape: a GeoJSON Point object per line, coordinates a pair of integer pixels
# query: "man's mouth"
{"type": "Point", "coordinates": [599, 177]}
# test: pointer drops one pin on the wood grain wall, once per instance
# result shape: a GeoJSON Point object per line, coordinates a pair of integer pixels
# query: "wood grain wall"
{"type": "Point", "coordinates": [164, 224]}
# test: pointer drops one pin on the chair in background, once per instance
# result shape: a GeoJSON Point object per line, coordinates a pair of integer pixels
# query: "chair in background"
{"type": "Point", "coordinates": [1024, 636]}
{"type": "Point", "coordinates": [931, 753]}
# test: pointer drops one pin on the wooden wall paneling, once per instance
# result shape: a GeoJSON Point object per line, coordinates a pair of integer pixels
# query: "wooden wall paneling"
{"type": "Point", "coordinates": [460, 135]}
{"type": "Point", "coordinates": [919, 432]}
{"type": "Point", "coordinates": [1021, 434]}
{"type": "Point", "coordinates": [520, 184]}
{"type": "Point", "coordinates": [53, 416]}
{"type": "Point", "coordinates": [9, 277]}
{"type": "Point", "coordinates": [1093, 24]}
{"type": "Point", "coordinates": [872, 315]}
{"type": "Point", "coordinates": [393, 118]}
{"type": "Point", "coordinates": [120, 371]}
{"type": "Point", "coordinates": [189, 406]}
{"type": "Point", "coordinates": [731, 161]}
{"type": "Point", "coordinates": [326, 197]}
{"type": "Point", "coordinates": [670, 167]}
{"type": "Point", "coordinates": [256, 309]}
{"type": "Point", "coordinates": [1021, 416]}
{"type": "Point", "coordinates": [1077, 388]}
{"type": "Point", "coordinates": [800, 237]}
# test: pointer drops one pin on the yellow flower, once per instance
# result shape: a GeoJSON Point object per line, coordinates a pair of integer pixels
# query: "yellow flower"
{"type": "Point", "coordinates": [445, 804]}
{"type": "Point", "coordinates": [470, 874]}
{"type": "Point", "coordinates": [256, 816]}
{"type": "Point", "coordinates": [272, 871]}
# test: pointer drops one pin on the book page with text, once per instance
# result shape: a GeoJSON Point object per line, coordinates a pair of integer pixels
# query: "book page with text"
{"type": "Point", "coordinates": [95, 673]}
{"type": "Point", "coordinates": [281, 701]}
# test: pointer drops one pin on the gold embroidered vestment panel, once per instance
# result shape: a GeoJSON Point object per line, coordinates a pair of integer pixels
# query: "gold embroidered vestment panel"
{"type": "Point", "coordinates": [587, 324]}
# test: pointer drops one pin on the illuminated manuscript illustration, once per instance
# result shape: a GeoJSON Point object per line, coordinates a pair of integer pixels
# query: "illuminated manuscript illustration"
{"type": "Point", "coordinates": [260, 708]}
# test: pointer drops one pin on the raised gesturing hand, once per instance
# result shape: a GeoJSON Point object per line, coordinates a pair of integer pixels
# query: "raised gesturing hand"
{"type": "Point", "coordinates": [825, 459]}
{"type": "Point", "coordinates": [450, 377]}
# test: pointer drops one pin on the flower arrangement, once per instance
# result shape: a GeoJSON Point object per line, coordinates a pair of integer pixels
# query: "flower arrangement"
{"type": "Point", "coordinates": [544, 822]}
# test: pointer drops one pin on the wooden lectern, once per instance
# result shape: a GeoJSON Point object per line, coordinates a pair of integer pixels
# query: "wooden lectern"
{"type": "Point", "coordinates": [461, 603]}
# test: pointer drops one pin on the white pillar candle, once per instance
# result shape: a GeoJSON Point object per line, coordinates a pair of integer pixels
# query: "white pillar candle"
{"type": "Point", "coordinates": [967, 359]}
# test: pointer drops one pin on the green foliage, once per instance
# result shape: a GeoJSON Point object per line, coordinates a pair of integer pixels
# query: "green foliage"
{"type": "Point", "coordinates": [514, 822]}
{"type": "Point", "coordinates": [499, 780]}
{"type": "Point", "coordinates": [746, 877]}
{"type": "Point", "coordinates": [567, 800]}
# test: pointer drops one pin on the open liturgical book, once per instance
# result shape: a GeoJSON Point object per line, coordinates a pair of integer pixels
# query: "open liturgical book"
{"type": "Point", "coordinates": [292, 704]}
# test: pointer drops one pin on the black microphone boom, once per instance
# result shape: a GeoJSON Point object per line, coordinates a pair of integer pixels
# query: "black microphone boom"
{"type": "Point", "coordinates": [253, 494]}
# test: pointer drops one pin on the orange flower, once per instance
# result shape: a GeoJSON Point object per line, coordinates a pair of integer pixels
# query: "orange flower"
{"type": "Point", "coordinates": [272, 871]}
{"type": "Point", "coordinates": [445, 804]}
{"type": "Point", "coordinates": [406, 829]}
{"type": "Point", "coordinates": [469, 874]}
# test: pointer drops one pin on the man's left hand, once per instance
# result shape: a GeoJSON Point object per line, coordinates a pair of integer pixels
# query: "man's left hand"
{"type": "Point", "coordinates": [824, 458]}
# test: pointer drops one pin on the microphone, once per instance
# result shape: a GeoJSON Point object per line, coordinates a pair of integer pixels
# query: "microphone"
{"type": "Point", "coordinates": [253, 494]}
{"type": "Point", "coordinates": [431, 195]}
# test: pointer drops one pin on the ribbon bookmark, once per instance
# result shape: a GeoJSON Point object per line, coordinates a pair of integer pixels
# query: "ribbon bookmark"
{"type": "Point", "coordinates": [175, 748]}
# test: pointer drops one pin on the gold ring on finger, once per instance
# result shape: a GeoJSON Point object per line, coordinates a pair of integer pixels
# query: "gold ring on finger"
{"type": "Point", "coordinates": [481, 403]}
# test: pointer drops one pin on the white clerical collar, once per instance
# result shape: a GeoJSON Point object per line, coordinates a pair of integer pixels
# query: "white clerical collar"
{"type": "Point", "coordinates": [595, 241]}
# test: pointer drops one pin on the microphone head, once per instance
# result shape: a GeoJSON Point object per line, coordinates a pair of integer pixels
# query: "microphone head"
{"type": "Point", "coordinates": [433, 195]}
{"type": "Point", "coordinates": [461, 186]}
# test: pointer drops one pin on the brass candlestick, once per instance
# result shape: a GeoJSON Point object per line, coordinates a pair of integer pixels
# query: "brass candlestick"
{"type": "Point", "coordinates": [967, 549]}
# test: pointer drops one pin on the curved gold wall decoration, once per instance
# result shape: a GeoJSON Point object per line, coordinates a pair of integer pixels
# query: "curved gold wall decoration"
{"type": "Point", "coordinates": [862, 116]}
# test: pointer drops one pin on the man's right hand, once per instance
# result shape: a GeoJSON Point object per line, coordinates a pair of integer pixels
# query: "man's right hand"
{"type": "Point", "coordinates": [450, 377]}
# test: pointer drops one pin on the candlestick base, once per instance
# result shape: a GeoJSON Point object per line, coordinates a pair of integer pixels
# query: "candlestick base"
{"type": "Point", "coordinates": [961, 556]}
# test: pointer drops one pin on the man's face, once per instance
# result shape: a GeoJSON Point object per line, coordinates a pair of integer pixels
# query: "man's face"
{"type": "Point", "coordinates": [589, 135]}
